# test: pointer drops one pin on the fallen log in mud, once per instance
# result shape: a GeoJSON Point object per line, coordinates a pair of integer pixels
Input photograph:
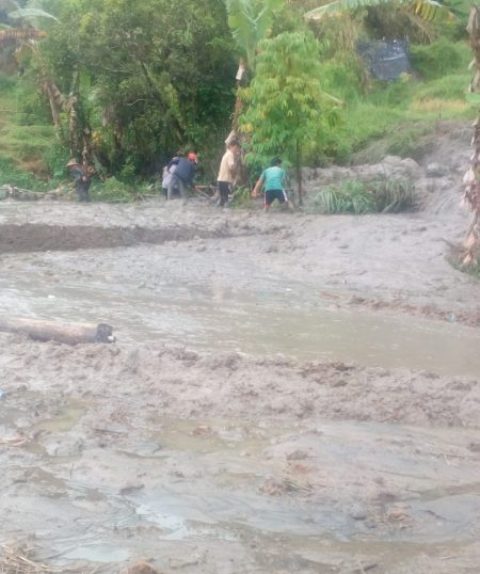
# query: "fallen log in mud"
{"type": "Point", "coordinates": [69, 333]}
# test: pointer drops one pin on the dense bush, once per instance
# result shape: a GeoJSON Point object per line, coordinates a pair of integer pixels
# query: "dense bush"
{"type": "Point", "coordinates": [353, 196]}
{"type": "Point", "coordinates": [439, 58]}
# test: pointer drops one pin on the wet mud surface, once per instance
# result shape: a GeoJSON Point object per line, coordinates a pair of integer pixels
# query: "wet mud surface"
{"type": "Point", "coordinates": [287, 393]}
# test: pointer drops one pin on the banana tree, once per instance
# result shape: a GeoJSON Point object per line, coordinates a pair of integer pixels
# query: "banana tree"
{"type": "Point", "coordinates": [250, 22]}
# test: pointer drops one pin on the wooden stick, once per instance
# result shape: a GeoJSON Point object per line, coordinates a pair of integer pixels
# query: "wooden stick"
{"type": "Point", "coordinates": [70, 333]}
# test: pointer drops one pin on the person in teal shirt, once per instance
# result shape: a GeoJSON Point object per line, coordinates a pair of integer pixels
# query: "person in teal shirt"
{"type": "Point", "coordinates": [273, 181]}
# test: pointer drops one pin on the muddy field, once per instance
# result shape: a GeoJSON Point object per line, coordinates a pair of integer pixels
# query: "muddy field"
{"type": "Point", "coordinates": [287, 393]}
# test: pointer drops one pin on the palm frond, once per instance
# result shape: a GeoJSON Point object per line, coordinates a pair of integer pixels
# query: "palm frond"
{"type": "Point", "coordinates": [426, 9]}
{"type": "Point", "coordinates": [28, 13]}
{"type": "Point", "coordinates": [250, 21]}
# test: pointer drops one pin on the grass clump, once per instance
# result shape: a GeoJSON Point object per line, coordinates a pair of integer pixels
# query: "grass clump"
{"type": "Point", "coordinates": [10, 174]}
{"type": "Point", "coordinates": [439, 58]}
{"type": "Point", "coordinates": [112, 190]}
{"type": "Point", "coordinates": [358, 197]}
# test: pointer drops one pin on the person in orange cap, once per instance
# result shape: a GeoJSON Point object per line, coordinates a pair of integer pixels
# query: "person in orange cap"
{"type": "Point", "coordinates": [182, 177]}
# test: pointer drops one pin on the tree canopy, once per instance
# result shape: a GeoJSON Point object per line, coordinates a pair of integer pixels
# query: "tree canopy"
{"type": "Point", "coordinates": [151, 75]}
{"type": "Point", "coordinates": [128, 84]}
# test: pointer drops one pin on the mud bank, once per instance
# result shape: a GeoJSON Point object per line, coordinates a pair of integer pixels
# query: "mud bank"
{"type": "Point", "coordinates": [183, 383]}
{"type": "Point", "coordinates": [222, 463]}
{"type": "Point", "coordinates": [38, 237]}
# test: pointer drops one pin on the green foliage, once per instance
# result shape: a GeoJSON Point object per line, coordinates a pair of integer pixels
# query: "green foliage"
{"type": "Point", "coordinates": [439, 58]}
{"type": "Point", "coordinates": [427, 9]}
{"type": "Point", "coordinates": [394, 195]}
{"type": "Point", "coordinates": [286, 107]}
{"type": "Point", "coordinates": [10, 174]}
{"type": "Point", "coordinates": [29, 14]}
{"type": "Point", "coordinates": [384, 196]}
{"type": "Point", "coordinates": [112, 191]}
{"type": "Point", "coordinates": [350, 197]}
{"type": "Point", "coordinates": [153, 75]}
{"type": "Point", "coordinates": [449, 87]}
{"type": "Point", "coordinates": [250, 22]}
{"type": "Point", "coordinates": [241, 198]}
{"type": "Point", "coordinates": [7, 83]}
{"type": "Point", "coordinates": [56, 158]}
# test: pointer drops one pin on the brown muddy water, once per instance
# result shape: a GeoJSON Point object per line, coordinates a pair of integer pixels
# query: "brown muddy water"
{"type": "Point", "coordinates": [277, 319]}
{"type": "Point", "coordinates": [101, 465]}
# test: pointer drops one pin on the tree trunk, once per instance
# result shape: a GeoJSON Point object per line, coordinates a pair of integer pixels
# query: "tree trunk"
{"type": "Point", "coordinates": [68, 333]}
{"type": "Point", "coordinates": [235, 135]}
{"type": "Point", "coordinates": [55, 99]}
{"type": "Point", "coordinates": [471, 253]}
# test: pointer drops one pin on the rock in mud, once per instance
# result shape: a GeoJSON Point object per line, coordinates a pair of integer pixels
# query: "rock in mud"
{"type": "Point", "coordinates": [297, 455]}
{"type": "Point", "coordinates": [141, 567]}
{"type": "Point", "coordinates": [436, 170]}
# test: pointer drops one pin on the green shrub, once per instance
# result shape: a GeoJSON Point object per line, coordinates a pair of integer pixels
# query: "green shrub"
{"type": "Point", "coordinates": [349, 197]}
{"type": "Point", "coordinates": [241, 198]}
{"type": "Point", "coordinates": [111, 191]}
{"type": "Point", "coordinates": [450, 87]}
{"type": "Point", "coordinates": [12, 175]}
{"type": "Point", "coordinates": [353, 196]}
{"type": "Point", "coordinates": [56, 158]}
{"type": "Point", "coordinates": [394, 195]}
{"type": "Point", "coordinates": [439, 58]}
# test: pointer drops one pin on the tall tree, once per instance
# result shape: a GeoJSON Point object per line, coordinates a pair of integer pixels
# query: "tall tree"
{"type": "Point", "coordinates": [287, 108]}
{"type": "Point", "coordinates": [152, 75]}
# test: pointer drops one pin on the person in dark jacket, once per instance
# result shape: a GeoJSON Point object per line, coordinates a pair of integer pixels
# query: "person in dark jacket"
{"type": "Point", "coordinates": [182, 177]}
{"type": "Point", "coordinates": [81, 179]}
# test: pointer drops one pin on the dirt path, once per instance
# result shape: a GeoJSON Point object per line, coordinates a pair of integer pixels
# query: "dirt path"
{"type": "Point", "coordinates": [192, 442]}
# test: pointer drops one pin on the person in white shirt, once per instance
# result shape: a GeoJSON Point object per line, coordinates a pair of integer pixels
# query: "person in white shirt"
{"type": "Point", "coordinates": [228, 171]}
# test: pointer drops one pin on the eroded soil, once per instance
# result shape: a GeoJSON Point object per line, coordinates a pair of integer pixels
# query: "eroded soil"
{"type": "Point", "coordinates": [288, 393]}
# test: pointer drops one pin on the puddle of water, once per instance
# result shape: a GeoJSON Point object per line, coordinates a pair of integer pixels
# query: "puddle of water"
{"type": "Point", "coordinates": [413, 461]}
{"type": "Point", "coordinates": [429, 471]}
{"type": "Point", "coordinates": [98, 552]}
{"type": "Point", "coordinates": [210, 435]}
{"type": "Point", "coordinates": [257, 323]}
{"type": "Point", "coordinates": [65, 419]}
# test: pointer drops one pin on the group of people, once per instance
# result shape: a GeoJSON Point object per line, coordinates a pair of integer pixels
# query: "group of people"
{"type": "Point", "coordinates": [178, 176]}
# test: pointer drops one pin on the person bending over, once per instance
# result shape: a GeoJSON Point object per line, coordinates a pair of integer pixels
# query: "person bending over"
{"type": "Point", "coordinates": [272, 180]}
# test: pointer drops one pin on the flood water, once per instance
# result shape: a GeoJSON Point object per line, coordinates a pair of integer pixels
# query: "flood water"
{"type": "Point", "coordinates": [282, 319]}
{"type": "Point", "coordinates": [102, 480]}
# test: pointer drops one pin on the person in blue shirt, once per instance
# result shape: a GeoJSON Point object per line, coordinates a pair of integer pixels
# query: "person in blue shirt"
{"type": "Point", "coordinates": [273, 181]}
{"type": "Point", "coordinates": [182, 176]}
